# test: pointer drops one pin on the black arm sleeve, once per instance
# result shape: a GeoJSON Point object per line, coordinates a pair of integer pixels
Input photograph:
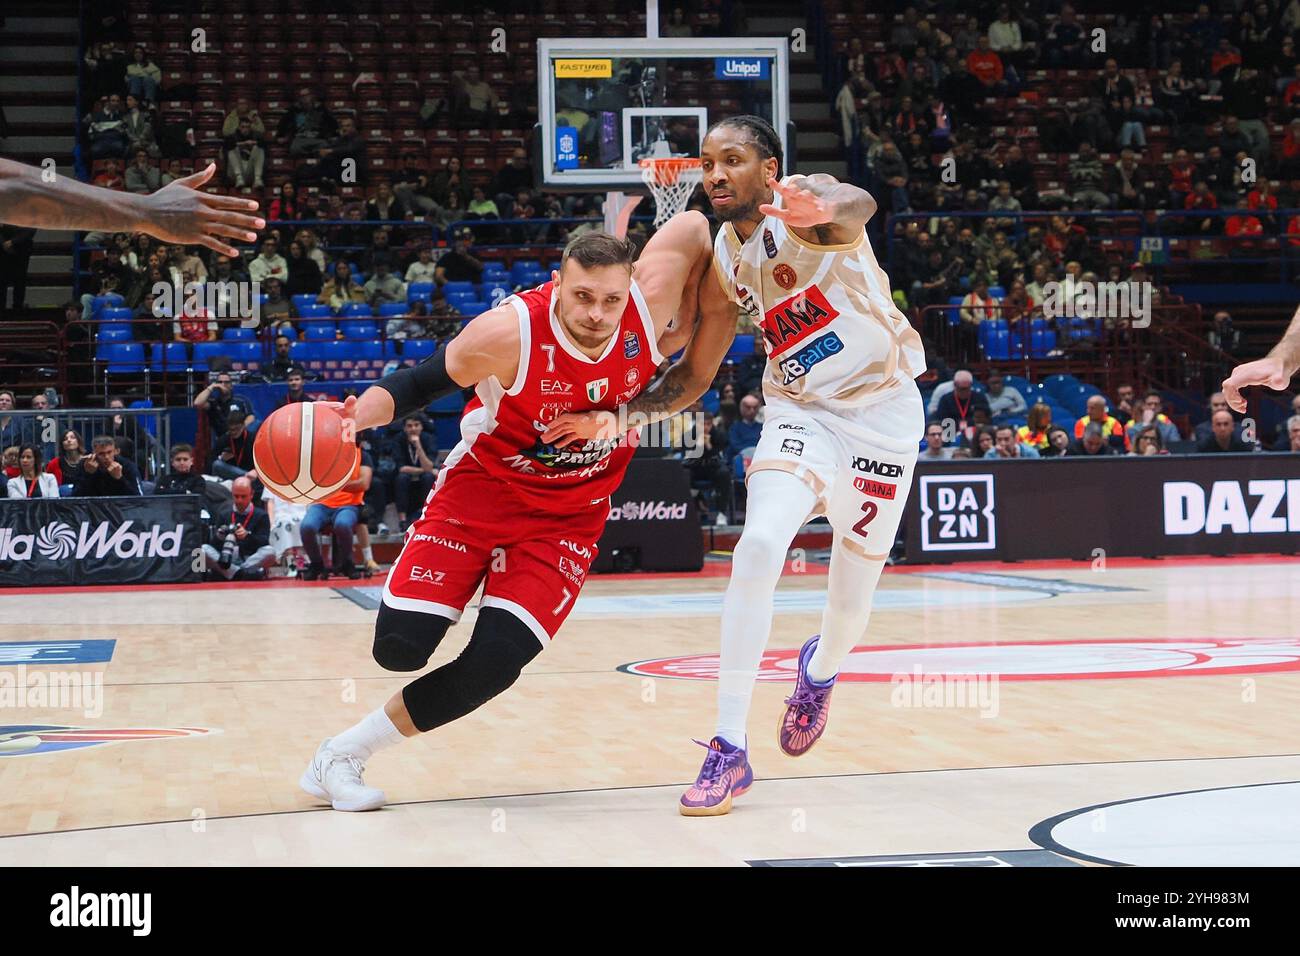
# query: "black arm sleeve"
{"type": "Point", "coordinates": [415, 388]}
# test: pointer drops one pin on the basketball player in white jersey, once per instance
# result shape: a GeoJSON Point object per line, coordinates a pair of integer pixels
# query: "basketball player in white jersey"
{"type": "Point", "coordinates": [844, 419]}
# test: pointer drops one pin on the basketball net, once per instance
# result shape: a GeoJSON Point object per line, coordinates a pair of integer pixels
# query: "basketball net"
{"type": "Point", "coordinates": [671, 181]}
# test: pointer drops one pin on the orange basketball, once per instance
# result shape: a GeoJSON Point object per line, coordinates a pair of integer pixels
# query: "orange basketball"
{"type": "Point", "coordinates": [303, 452]}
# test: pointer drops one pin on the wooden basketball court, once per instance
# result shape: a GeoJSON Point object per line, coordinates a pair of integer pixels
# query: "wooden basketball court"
{"type": "Point", "coordinates": [1147, 713]}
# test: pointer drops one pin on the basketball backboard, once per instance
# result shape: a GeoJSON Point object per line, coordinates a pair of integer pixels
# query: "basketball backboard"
{"type": "Point", "coordinates": [605, 103]}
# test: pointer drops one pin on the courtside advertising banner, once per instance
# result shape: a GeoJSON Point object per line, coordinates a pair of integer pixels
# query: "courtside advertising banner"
{"type": "Point", "coordinates": [1084, 508]}
{"type": "Point", "coordinates": [652, 520]}
{"type": "Point", "coordinates": [52, 541]}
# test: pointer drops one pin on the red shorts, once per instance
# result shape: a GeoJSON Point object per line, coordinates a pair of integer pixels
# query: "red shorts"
{"type": "Point", "coordinates": [475, 526]}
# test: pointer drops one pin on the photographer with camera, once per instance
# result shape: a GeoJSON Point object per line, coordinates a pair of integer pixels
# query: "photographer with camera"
{"type": "Point", "coordinates": [239, 539]}
{"type": "Point", "coordinates": [219, 400]}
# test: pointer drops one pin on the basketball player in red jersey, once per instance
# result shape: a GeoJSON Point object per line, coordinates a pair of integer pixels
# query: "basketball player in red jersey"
{"type": "Point", "coordinates": [508, 511]}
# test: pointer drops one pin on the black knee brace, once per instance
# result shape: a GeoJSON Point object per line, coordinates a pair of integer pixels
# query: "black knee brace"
{"type": "Point", "coordinates": [405, 640]}
{"type": "Point", "coordinates": [497, 651]}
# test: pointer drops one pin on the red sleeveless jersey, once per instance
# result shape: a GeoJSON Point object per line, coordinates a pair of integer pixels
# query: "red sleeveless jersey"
{"type": "Point", "coordinates": [501, 428]}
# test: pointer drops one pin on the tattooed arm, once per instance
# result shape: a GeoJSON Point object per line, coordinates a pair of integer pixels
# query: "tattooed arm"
{"type": "Point", "coordinates": [178, 212]}
{"type": "Point", "coordinates": [680, 386]}
{"type": "Point", "coordinates": [822, 210]}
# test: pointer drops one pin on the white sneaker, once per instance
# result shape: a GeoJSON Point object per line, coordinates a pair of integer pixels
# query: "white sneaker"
{"type": "Point", "coordinates": [336, 778]}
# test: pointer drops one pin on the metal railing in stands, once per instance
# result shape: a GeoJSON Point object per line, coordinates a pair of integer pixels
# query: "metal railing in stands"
{"type": "Point", "coordinates": [1157, 236]}
{"type": "Point", "coordinates": [1172, 353]}
{"type": "Point", "coordinates": [488, 233]}
{"type": "Point", "coordinates": [145, 433]}
{"type": "Point", "coordinates": [28, 362]}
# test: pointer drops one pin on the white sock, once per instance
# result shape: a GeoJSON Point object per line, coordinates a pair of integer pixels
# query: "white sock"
{"type": "Point", "coordinates": [777, 506]}
{"type": "Point", "coordinates": [850, 589]}
{"type": "Point", "coordinates": [368, 553]}
{"type": "Point", "coordinates": [375, 732]}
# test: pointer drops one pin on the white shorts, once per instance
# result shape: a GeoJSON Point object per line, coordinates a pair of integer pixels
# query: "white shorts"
{"type": "Point", "coordinates": [857, 459]}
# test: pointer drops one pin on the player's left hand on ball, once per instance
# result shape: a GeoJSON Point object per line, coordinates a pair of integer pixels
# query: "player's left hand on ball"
{"type": "Point", "coordinates": [180, 213]}
{"type": "Point", "coordinates": [801, 207]}
{"type": "Point", "coordinates": [572, 426]}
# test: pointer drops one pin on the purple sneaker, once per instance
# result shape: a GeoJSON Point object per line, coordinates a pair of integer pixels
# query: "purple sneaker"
{"type": "Point", "coordinates": [726, 773]}
{"type": "Point", "coordinates": [806, 709]}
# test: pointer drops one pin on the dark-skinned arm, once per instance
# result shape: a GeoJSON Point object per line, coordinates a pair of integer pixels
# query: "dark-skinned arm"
{"type": "Point", "coordinates": [822, 210]}
{"type": "Point", "coordinates": [178, 213]}
{"type": "Point", "coordinates": [680, 386]}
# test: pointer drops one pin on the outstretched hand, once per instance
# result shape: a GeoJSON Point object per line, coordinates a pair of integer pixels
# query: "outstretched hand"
{"type": "Point", "coordinates": [1266, 371]}
{"type": "Point", "coordinates": [180, 213]}
{"type": "Point", "coordinates": [801, 209]}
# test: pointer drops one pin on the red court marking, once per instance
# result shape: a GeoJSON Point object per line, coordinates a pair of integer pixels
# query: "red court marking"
{"type": "Point", "coordinates": [781, 665]}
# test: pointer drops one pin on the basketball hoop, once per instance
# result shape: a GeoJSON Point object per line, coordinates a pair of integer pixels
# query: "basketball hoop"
{"type": "Point", "coordinates": [671, 181]}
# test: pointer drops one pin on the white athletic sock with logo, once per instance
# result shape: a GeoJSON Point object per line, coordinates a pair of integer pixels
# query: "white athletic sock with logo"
{"type": "Point", "coordinates": [375, 732]}
{"type": "Point", "coordinates": [777, 506]}
{"type": "Point", "coordinates": [368, 552]}
{"type": "Point", "coordinates": [850, 588]}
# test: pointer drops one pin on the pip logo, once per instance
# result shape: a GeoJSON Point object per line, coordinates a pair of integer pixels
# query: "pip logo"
{"type": "Point", "coordinates": [957, 513]}
{"type": "Point", "coordinates": [792, 446]}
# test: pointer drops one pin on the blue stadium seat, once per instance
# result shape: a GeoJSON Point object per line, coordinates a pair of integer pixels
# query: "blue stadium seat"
{"type": "Point", "coordinates": [238, 334]}
{"type": "Point", "coordinates": [1042, 342]}
{"type": "Point", "coordinates": [102, 302]}
{"type": "Point", "coordinates": [174, 352]}
{"type": "Point", "coordinates": [305, 351]}
{"type": "Point", "coordinates": [494, 292]}
{"type": "Point", "coordinates": [425, 297]}
{"type": "Point", "coordinates": [356, 310]}
{"type": "Point", "coordinates": [392, 308]}
{"type": "Point", "coordinates": [1020, 384]}
{"type": "Point", "coordinates": [301, 301]}
{"type": "Point", "coordinates": [998, 344]}
{"type": "Point", "coordinates": [359, 329]}
{"type": "Point", "coordinates": [711, 401]}
{"type": "Point", "coordinates": [319, 331]}
{"type": "Point", "coordinates": [535, 278]}
{"type": "Point", "coordinates": [423, 288]}
{"type": "Point", "coordinates": [116, 314]}
{"type": "Point", "coordinates": [112, 333]}
{"type": "Point", "coordinates": [741, 346]}
{"type": "Point", "coordinates": [1056, 385]}
{"type": "Point", "coordinates": [452, 404]}
{"type": "Point", "coordinates": [472, 308]}
{"type": "Point", "coordinates": [997, 292]}
{"type": "Point", "coordinates": [451, 288]}
{"type": "Point", "coordinates": [460, 295]}
{"type": "Point", "coordinates": [204, 351]}
{"type": "Point", "coordinates": [348, 352]}
{"type": "Point", "coordinates": [419, 349]}
{"type": "Point", "coordinates": [247, 354]}
{"type": "Point", "coordinates": [315, 311]}
{"type": "Point", "coordinates": [122, 357]}
{"type": "Point", "coordinates": [522, 267]}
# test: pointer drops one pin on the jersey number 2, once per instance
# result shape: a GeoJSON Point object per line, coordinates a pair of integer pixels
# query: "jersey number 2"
{"type": "Point", "coordinates": [869, 510]}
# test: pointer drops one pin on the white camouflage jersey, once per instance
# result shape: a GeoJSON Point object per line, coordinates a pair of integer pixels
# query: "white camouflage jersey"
{"type": "Point", "coordinates": [830, 327]}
